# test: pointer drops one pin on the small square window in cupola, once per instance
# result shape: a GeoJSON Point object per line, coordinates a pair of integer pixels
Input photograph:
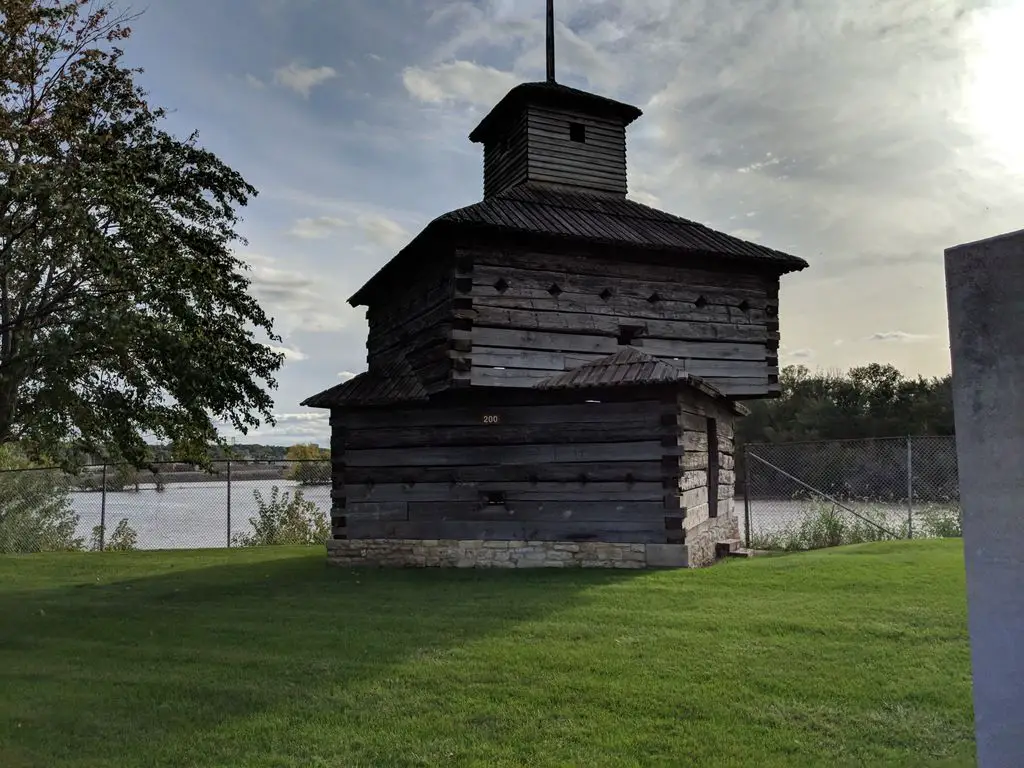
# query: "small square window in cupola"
{"type": "Point", "coordinates": [554, 290]}
{"type": "Point", "coordinates": [744, 306]}
{"type": "Point", "coordinates": [501, 286]}
{"type": "Point", "coordinates": [578, 132]}
{"type": "Point", "coordinates": [606, 294]}
{"type": "Point", "coordinates": [701, 302]}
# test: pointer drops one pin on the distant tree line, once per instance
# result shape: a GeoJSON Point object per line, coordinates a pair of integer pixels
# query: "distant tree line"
{"type": "Point", "coordinates": [240, 451]}
{"type": "Point", "coordinates": [872, 401]}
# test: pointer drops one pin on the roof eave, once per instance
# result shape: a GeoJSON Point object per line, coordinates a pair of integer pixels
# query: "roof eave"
{"type": "Point", "coordinates": [433, 229]}
{"type": "Point", "coordinates": [784, 264]}
{"type": "Point", "coordinates": [527, 93]}
{"type": "Point", "coordinates": [316, 401]}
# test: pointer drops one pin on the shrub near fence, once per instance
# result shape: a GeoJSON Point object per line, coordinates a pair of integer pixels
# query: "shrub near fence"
{"type": "Point", "coordinates": [172, 506]}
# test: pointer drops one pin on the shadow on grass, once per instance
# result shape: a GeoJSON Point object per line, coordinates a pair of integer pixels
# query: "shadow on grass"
{"type": "Point", "coordinates": [112, 663]}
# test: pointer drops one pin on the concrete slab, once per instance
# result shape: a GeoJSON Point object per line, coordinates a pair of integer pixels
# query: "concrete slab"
{"type": "Point", "coordinates": [666, 556]}
{"type": "Point", "coordinates": [985, 300]}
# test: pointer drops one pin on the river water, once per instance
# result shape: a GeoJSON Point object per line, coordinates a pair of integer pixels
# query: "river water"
{"type": "Point", "coordinates": [186, 515]}
{"type": "Point", "coordinates": [195, 515]}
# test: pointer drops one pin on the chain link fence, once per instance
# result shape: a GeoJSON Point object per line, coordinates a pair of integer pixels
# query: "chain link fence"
{"type": "Point", "coordinates": [177, 506]}
{"type": "Point", "coordinates": [818, 494]}
{"type": "Point", "coordinates": [796, 496]}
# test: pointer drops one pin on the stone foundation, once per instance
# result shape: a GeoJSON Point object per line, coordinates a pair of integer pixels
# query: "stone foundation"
{"type": "Point", "coordinates": [420, 553]}
{"type": "Point", "coordinates": [701, 539]}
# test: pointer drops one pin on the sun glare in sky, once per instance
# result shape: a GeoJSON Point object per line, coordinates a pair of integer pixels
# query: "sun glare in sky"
{"type": "Point", "coordinates": [995, 95]}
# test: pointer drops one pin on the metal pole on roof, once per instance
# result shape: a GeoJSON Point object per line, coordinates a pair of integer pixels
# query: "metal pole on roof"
{"type": "Point", "coordinates": [551, 41]}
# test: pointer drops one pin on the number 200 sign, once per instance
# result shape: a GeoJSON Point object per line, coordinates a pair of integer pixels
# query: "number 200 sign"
{"type": "Point", "coordinates": [492, 418]}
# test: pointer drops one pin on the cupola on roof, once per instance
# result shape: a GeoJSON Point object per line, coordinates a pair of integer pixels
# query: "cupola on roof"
{"type": "Point", "coordinates": [555, 169]}
{"type": "Point", "coordinates": [550, 133]}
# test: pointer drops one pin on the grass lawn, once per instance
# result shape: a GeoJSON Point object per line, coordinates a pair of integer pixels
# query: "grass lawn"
{"type": "Point", "coordinates": [854, 656]}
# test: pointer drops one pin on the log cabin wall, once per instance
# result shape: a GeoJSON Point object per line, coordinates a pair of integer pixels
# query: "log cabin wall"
{"type": "Point", "coordinates": [707, 463]}
{"type": "Point", "coordinates": [506, 161]}
{"type": "Point", "coordinates": [414, 319]}
{"type": "Point", "coordinates": [557, 146]}
{"type": "Point", "coordinates": [575, 149]}
{"type": "Point", "coordinates": [513, 469]}
{"type": "Point", "coordinates": [533, 314]}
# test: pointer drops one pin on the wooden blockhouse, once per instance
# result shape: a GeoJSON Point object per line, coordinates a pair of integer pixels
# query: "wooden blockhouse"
{"type": "Point", "coordinates": [553, 372]}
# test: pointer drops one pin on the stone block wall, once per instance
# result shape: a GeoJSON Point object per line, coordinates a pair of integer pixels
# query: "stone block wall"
{"type": "Point", "coordinates": [701, 539]}
{"type": "Point", "coordinates": [698, 551]}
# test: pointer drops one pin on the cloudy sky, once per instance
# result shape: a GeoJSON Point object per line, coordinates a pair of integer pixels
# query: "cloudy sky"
{"type": "Point", "coordinates": [863, 136]}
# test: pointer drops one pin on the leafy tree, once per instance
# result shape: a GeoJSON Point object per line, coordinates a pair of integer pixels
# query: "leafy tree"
{"type": "Point", "coordinates": [284, 519]}
{"type": "Point", "coordinates": [870, 401]}
{"type": "Point", "coordinates": [123, 309]}
{"type": "Point", "coordinates": [312, 464]}
{"type": "Point", "coordinates": [123, 476]}
{"type": "Point", "coordinates": [35, 507]}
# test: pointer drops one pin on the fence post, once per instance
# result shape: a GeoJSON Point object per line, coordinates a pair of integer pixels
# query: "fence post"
{"type": "Point", "coordinates": [103, 506]}
{"type": "Point", "coordinates": [910, 487]}
{"type": "Point", "coordinates": [229, 502]}
{"type": "Point", "coordinates": [746, 495]}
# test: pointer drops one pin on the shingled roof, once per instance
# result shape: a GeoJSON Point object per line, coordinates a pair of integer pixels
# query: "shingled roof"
{"type": "Point", "coordinates": [540, 210]}
{"type": "Point", "coordinates": [391, 383]}
{"type": "Point", "coordinates": [630, 367]}
{"type": "Point", "coordinates": [627, 366]}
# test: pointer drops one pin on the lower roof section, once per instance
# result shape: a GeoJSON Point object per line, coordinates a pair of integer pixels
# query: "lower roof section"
{"type": "Point", "coordinates": [396, 382]}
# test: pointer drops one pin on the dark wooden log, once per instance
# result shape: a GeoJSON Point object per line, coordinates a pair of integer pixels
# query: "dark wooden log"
{"type": "Point", "coordinates": [569, 472]}
{"type": "Point", "coordinates": [514, 454]}
{"type": "Point", "coordinates": [362, 511]}
{"type": "Point", "coordinates": [482, 434]}
{"type": "Point", "coordinates": [551, 511]}
{"type": "Point", "coordinates": [585, 322]}
{"type": "Point", "coordinates": [715, 289]}
{"type": "Point", "coordinates": [588, 264]}
{"type": "Point", "coordinates": [621, 532]}
{"type": "Point", "coordinates": [601, 345]}
{"type": "Point", "coordinates": [539, 413]}
{"type": "Point", "coordinates": [515, 492]}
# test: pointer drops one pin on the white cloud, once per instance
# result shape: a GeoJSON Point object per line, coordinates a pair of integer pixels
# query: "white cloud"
{"type": "Point", "coordinates": [752, 235]}
{"type": "Point", "coordinates": [316, 228]}
{"type": "Point", "coordinates": [458, 81]}
{"type": "Point", "coordinates": [768, 162]}
{"type": "Point", "coordinates": [773, 107]}
{"type": "Point", "coordinates": [290, 428]}
{"type": "Point", "coordinates": [378, 229]}
{"type": "Point", "coordinates": [346, 375]}
{"type": "Point", "coordinates": [295, 299]}
{"type": "Point", "coordinates": [382, 230]}
{"type": "Point", "coordinates": [254, 81]}
{"type": "Point", "coordinates": [767, 107]}
{"type": "Point", "coordinates": [899, 336]}
{"type": "Point", "coordinates": [800, 354]}
{"type": "Point", "coordinates": [301, 79]}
